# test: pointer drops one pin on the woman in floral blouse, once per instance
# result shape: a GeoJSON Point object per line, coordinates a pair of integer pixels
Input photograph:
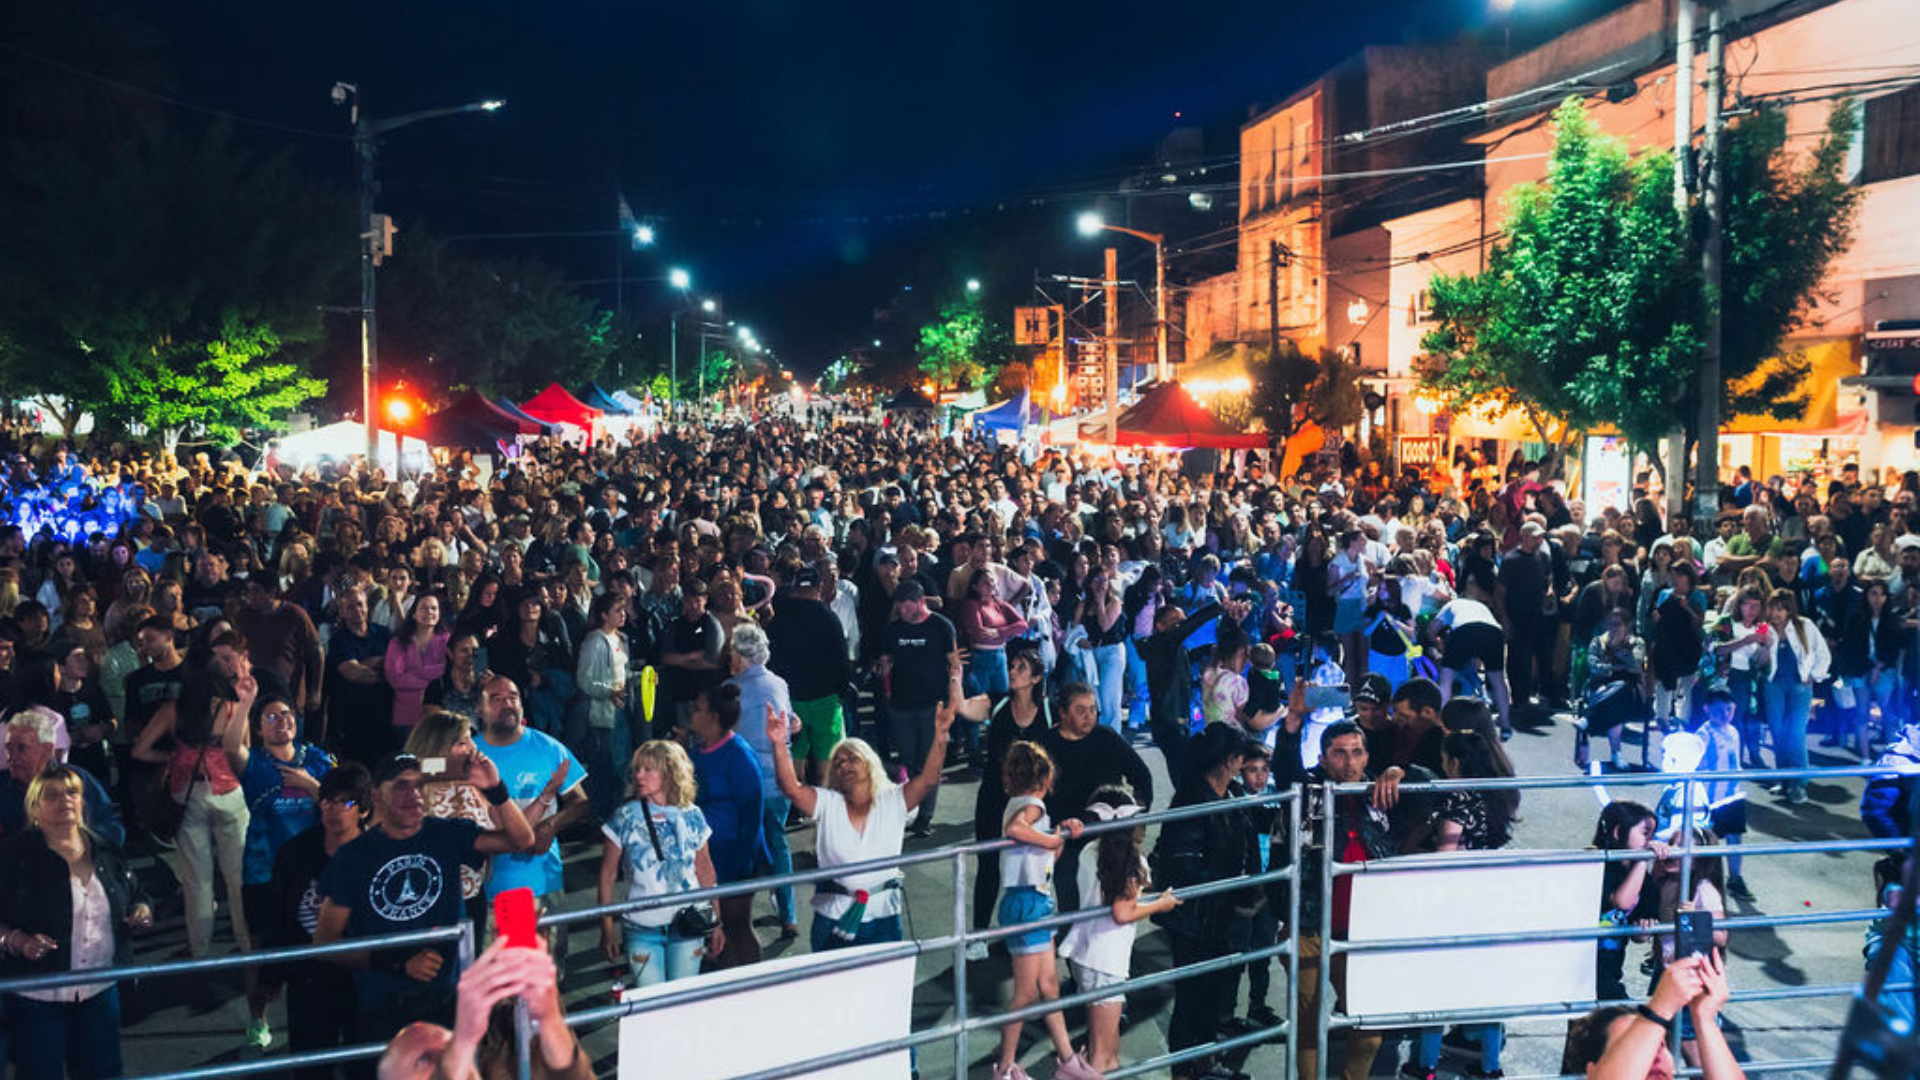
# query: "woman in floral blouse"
{"type": "Point", "coordinates": [659, 838]}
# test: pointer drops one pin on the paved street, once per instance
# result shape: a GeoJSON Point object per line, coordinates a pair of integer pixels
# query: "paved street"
{"type": "Point", "coordinates": [195, 1022]}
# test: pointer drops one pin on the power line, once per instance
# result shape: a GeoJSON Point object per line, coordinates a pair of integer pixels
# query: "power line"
{"type": "Point", "coordinates": [155, 95]}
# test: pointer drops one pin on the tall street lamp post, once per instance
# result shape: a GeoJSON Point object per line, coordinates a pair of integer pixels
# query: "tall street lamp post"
{"type": "Point", "coordinates": [1090, 225]}
{"type": "Point", "coordinates": [376, 238]}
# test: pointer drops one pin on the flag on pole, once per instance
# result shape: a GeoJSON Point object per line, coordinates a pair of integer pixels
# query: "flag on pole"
{"type": "Point", "coordinates": [628, 222]}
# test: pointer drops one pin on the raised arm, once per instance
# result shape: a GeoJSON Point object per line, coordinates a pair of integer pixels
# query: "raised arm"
{"type": "Point", "coordinates": [779, 729]}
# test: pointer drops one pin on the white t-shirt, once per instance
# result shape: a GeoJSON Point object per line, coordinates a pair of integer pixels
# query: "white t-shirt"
{"type": "Point", "coordinates": [1354, 570]}
{"type": "Point", "coordinates": [838, 843]}
{"type": "Point", "coordinates": [1102, 943]}
{"type": "Point", "coordinates": [1461, 611]}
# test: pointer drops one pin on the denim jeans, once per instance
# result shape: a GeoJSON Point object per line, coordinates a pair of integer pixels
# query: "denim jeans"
{"type": "Point", "coordinates": [1111, 662]}
{"type": "Point", "coordinates": [1137, 699]}
{"type": "Point", "coordinates": [655, 956]}
{"type": "Point", "coordinates": [987, 669]}
{"type": "Point", "coordinates": [773, 826]}
{"type": "Point", "coordinates": [1787, 706]}
{"type": "Point", "coordinates": [872, 932]}
{"type": "Point", "coordinates": [1491, 1037]}
{"type": "Point", "coordinates": [56, 1040]}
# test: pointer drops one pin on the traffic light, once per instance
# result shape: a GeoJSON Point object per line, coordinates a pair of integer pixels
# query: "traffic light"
{"type": "Point", "coordinates": [380, 237]}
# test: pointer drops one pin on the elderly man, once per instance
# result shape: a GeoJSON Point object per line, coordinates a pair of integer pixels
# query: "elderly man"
{"type": "Point", "coordinates": [32, 741]}
{"type": "Point", "coordinates": [404, 874]}
{"type": "Point", "coordinates": [760, 690]}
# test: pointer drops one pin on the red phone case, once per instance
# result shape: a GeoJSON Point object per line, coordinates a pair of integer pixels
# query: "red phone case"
{"type": "Point", "coordinates": [513, 914]}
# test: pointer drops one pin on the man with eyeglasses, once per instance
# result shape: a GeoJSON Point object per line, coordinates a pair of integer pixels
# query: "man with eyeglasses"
{"type": "Point", "coordinates": [404, 875]}
{"type": "Point", "coordinates": [320, 1005]}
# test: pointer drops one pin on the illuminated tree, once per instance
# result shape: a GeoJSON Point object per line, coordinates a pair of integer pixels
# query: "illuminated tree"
{"type": "Point", "coordinates": [215, 389]}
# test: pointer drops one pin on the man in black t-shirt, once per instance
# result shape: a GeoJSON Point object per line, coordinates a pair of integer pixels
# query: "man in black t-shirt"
{"type": "Point", "coordinates": [404, 874]}
{"type": "Point", "coordinates": [918, 654]}
{"type": "Point", "coordinates": [690, 653]}
{"type": "Point", "coordinates": [1526, 576]}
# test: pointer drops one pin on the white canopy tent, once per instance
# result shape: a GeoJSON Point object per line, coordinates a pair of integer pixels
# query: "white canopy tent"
{"type": "Point", "coordinates": [340, 442]}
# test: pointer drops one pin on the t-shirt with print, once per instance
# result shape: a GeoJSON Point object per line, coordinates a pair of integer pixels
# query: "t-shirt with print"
{"type": "Point", "coordinates": [525, 765]}
{"type": "Point", "coordinates": [277, 811]}
{"type": "Point", "coordinates": [390, 886]}
{"type": "Point", "coordinates": [838, 843]}
{"type": "Point", "coordinates": [919, 651]}
{"type": "Point", "coordinates": [682, 831]}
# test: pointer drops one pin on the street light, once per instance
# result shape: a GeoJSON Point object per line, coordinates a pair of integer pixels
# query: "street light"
{"type": "Point", "coordinates": [642, 235]}
{"type": "Point", "coordinates": [682, 281]}
{"type": "Point", "coordinates": [709, 306]}
{"type": "Point", "coordinates": [679, 279]}
{"type": "Point", "coordinates": [1091, 224]}
{"type": "Point", "coordinates": [973, 284]}
{"type": "Point", "coordinates": [374, 236]}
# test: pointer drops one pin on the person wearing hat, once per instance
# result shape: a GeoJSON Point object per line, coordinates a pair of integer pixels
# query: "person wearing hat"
{"type": "Point", "coordinates": [404, 874]}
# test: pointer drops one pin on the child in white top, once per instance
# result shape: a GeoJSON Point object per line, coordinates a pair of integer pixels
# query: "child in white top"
{"type": "Point", "coordinates": [1026, 872]}
{"type": "Point", "coordinates": [1101, 949]}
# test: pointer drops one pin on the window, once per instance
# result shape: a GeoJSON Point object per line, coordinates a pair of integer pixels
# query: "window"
{"type": "Point", "coordinates": [1891, 136]}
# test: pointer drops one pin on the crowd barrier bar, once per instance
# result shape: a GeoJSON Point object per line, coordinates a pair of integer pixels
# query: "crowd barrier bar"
{"type": "Point", "coordinates": [963, 1023]}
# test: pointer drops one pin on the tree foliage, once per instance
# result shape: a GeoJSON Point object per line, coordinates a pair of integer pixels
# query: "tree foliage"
{"type": "Point", "coordinates": [119, 263]}
{"type": "Point", "coordinates": [1590, 311]}
{"type": "Point", "coordinates": [961, 348]}
{"type": "Point", "coordinates": [1582, 315]}
{"type": "Point", "coordinates": [1323, 388]}
{"type": "Point", "coordinates": [503, 326]}
{"type": "Point", "coordinates": [216, 388]}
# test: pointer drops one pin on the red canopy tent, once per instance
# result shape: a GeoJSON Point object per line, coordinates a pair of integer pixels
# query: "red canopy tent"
{"type": "Point", "coordinates": [473, 421]}
{"type": "Point", "coordinates": [1166, 416]}
{"type": "Point", "coordinates": [556, 406]}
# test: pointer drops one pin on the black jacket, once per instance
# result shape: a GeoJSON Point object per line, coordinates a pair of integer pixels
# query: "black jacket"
{"type": "Point", "coordinates": [1194, 851]}
{"type": "Point", "coordinates": [35, 896]}
{"type": "Point", "coordinates": [809, 648]}
{"type": "Point", "coordinates": [1850, 657]}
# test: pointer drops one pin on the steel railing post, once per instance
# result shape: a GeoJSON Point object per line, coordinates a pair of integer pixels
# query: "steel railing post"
{"type": "Point", "coordinates": [1323, 1023]}
{"type": "Point", "coordinates": [960, 912]}
{"type": "Point", "coordinates": [1687, 784]}
{"type": "Point", "coordinates": [1292, 1065]}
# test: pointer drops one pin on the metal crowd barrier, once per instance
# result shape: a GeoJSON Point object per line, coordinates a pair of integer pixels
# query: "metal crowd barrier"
{"type": "Point", "coordinates": [954, 944]}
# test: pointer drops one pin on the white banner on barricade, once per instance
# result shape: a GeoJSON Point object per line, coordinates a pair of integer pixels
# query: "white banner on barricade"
{"type": "Point", "coordinates": [744, 1033]}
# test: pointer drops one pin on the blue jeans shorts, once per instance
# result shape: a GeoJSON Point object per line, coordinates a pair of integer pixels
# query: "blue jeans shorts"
{"type": "Point", "coordinates": [1025, 904]}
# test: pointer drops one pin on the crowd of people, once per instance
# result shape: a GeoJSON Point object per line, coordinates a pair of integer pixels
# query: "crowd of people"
{"type": "Point", "coordinates": [331, 706]}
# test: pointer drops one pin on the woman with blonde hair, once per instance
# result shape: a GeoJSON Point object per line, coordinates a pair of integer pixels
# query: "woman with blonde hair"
{"type": "Point", "coordinates": [447, 737]}
{"type": "Point", "coordinates": [660, 838]}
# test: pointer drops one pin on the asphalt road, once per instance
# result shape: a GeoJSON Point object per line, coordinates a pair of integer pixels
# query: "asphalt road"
{"type": "Point", "coordinates": [181, 1023]}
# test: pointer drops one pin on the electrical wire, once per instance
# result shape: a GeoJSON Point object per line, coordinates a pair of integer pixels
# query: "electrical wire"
{"type": "Point", "coordinates": [155, 95]}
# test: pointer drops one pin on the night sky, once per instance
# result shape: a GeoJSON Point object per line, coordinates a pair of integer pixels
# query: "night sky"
{"type": "Point", "coordinates": [805, 160]}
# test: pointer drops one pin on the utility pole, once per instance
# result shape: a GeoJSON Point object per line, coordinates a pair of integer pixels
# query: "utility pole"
{"type": "Point", "coordinates": [1112, 344]}
{"type": "Point", "coordinates": [673, 363]}
{"type": "Point", "coordinates": [1273, 300]}
{"type": "Point", "coordinates": [1160, 309]}
{"type": "Point", "coordinates": [1706, 481]}
{"type": "Point", "coordinates": [363, 149]}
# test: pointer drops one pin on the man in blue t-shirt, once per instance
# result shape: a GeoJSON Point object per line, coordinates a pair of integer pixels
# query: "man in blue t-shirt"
{"type": "Point", "coordinates": [404, 874]}
{"type": "Point", "coordinates": [542, 776]}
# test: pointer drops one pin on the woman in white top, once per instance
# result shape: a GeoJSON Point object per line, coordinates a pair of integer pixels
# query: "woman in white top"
{"type": "Point", "coordinates": [1347, 579]}
{"type": "Point", "coordinates": [602, 675]}
{"type": "Point", "coordinates": [659, 838]}
{"type": "Point", "coordinates": [859, 816]}
{"type": "Point", "coordinates": [1797, 658]}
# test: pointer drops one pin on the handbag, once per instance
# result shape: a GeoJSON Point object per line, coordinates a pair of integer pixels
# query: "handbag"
{"type": "Point", "coordinates": [164, 814]}
{"type": "Point", "coordinates": [694, 920]}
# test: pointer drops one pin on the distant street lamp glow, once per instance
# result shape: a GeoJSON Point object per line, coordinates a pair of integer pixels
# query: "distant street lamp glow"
{"type": "Point", "coordinates": [643, 235]}
{"type": "Point", "coordinates": [973, 284]}
{"type": "Point", "coordinates": [709, 306]}
{"type": "Point", "coordinates": [493, 105]}
{"type": "Point", "coordinates": [1090, 224]}
{"type": "Point", "coordinates": [679, 278]}
{"type": "Point", "coordinates": [399, 410]}
{"type": "Point", "coordinates": [746, 333]}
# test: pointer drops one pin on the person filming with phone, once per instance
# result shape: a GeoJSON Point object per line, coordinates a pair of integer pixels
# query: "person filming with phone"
{"type": "Point", "coordinates": [404, 874]}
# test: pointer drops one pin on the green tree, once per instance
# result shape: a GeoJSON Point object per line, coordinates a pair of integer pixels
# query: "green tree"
{"type": "Point", "coordinates": [504, 326]}
{"type": "Point", "coordinates": [149, 253]}
{"type": "Point", "coordinates": [1582, 315]}
{"type": "Point", "coordinates": [1325, 388]}
{"type": "Point", "coordinates": [216, 389]}
{"type": "Point", "coordinates": [960, 348]}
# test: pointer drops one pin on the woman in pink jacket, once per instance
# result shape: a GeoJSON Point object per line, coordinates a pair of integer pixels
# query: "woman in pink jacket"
{"type": "Point", "coordinates": [416, 656]}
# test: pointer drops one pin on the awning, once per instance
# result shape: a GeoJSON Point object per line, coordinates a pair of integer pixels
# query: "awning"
{"type": "Point", "coordinates": [1167, 417]}
{"type": "Point", "coordinates": [556, 406]}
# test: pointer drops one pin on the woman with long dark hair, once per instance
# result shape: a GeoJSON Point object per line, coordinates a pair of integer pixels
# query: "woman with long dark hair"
{"type": "Point", "coordinates": [416, 656]}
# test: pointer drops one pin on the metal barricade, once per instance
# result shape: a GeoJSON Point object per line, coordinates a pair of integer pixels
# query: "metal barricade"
{"type": "Point", "coordinates": [963, 1023]}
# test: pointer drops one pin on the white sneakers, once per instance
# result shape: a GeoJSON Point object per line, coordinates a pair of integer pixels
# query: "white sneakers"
{"type": "Point", "coordinates": [1075, 1068]}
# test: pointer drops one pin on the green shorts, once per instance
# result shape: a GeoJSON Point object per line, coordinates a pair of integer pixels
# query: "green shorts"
{"type": "Point", "coordinates": [821, 728]}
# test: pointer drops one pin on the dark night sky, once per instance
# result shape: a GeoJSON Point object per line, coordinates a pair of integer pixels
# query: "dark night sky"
{"type": "Point", "coordinates": [754, 129]}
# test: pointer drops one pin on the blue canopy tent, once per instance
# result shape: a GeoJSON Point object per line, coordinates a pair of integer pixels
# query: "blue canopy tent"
{"type": "Point", "coordinates": [1015, 414]}
{"type": "Point", "coordinates": [507, 405]}
{"type": "Point", "coordinates": [604, 401]}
